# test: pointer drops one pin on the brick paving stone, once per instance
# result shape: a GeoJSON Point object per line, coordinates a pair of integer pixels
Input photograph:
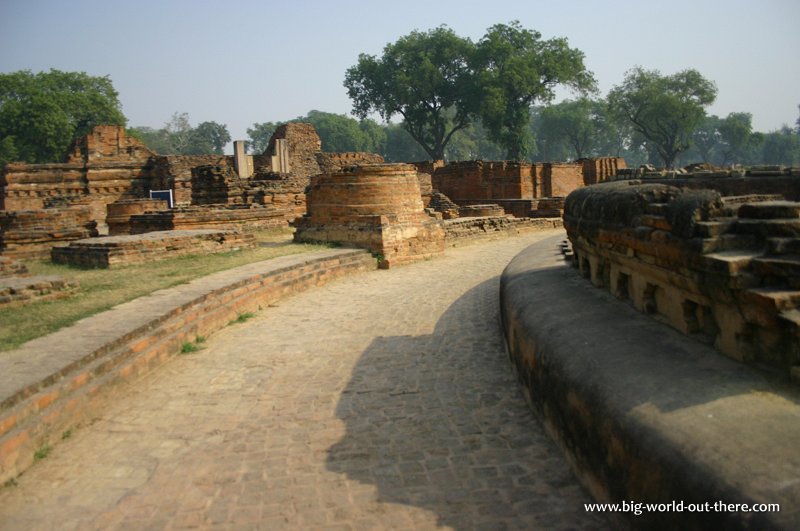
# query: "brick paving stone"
{"type": "Point", "coordinates": [380, 401]}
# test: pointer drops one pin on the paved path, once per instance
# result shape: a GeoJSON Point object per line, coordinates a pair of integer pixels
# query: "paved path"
{"type": "Point", "coordinates": [381, 401]}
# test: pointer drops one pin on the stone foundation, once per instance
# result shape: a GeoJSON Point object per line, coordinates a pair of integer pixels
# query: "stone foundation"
{"type": "Point", "coordinates": [30, 234]}
{"type": "Point", "coordinates": [481, 211]}
{"type": "Point", "coordinates": [12, 268]}
{"type": "Point", "coordinates": [374, 206]}
{"type": "Point", "coordinates": [15, 291]}
{"type": "Point", "coordinates": [463, 231]}
{"type": "Point", "coordinates": [115, 251]}
{"type": "Point", "coordinates": [722, 269]}
{"type": "Point", "coordinates": [228, 217]}
{"type": "Point", "coordinates": [119, 214]}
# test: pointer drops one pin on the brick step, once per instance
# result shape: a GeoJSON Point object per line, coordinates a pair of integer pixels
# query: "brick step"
{"type": "Point", "coordinates": [767, 228]}
{"type": "Point", "coordinates": [778, 271]}
{"type": "Point", "coordinates": [770, 210]}
{"type": "Point", "coordinates": [762, 305]}
{"type": "Point", "coordinates": [714, 228]}
{"type": "Point", "coordinates": [727, 242]}
{"type": "Point", "coordinates": [780, 246]}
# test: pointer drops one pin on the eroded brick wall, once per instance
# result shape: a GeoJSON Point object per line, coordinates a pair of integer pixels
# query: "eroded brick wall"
{"type": "Point", "coordinates": [720, 268]}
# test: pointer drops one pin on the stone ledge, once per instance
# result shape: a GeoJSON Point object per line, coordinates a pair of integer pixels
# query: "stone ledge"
{"type": "Point", "coordinates": [644, 413]}
{"type": "Point", "coordinates": [54, 383]}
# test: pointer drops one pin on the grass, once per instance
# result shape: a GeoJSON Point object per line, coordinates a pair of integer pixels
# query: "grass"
{"type": "Point", "coordinates": [189, 347]}
{"type": "Point", "coordinates": [242, 317]}
{"type": "Point", "coordinates": [42, 452]}
{"type": "Point", "coordinates": [102, 289]}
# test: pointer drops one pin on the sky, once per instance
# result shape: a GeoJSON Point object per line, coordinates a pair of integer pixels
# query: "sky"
{"type": "Point", "coordinates": [240, 62]}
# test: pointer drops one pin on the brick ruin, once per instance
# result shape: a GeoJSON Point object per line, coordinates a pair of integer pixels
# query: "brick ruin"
{"type": "Point", "coordinates": [696, 254]}
{"type": "Point", "coordinates": [518, 186]}
{"type": "Point", "coordinates": [375, 206]}
{"type": "Point", "coordinates": [112, 251]}
{"type": "Point", "coordinates": [111, 174]}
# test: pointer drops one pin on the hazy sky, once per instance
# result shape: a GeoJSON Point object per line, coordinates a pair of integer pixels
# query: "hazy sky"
{"type": "Point", "coordinates": [238, 62]}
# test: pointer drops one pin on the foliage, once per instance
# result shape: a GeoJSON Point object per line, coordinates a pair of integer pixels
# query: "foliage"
{"type": "Point", "coordinates": [736, 134]}
{"type": "Point", "coordinates": [572, 122]}
{"type": "Point", "coordinates": [42, 113]}
{"type": "Point", "coordinates": [664, 110]}
{"type": "Point", "coordinates": [707, 138]}
{"type": "Point", "coordinates": [178, 137]}
{"type": "Point", "coordinates": [341, 133]}
{"type": "Point", "coordinates": [514, 68]}
{"type": "Point", "coordinates": [782, 147]}
{"type": "Point", "coordinates": [423, 77]}
{"type": "Point", "coordinates": [259, 136]}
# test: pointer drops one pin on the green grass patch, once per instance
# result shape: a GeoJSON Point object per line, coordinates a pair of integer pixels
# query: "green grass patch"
{"type": "Point", "coordinates": [66, 434]}
{"type": "Point", "coordinates": [189, 347]}
{"type": "Point", "coordinates": [102, 289]}
{"type": "Point", "coordinates": [242, 317]}
{"type": "Point", "coordinates": [42, 452]}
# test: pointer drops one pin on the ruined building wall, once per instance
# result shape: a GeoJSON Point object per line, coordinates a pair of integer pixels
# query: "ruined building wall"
{"type": "Point", "coordinates": [601, 169]}
{"type": "Point", "coordinates": [104, 166]}
{"type": "Point", "coordinates": [560, 178]}
{"type": "Point", "coordinates": [304, 144]}
{"type": "Point", "coordinates": [723, 269]}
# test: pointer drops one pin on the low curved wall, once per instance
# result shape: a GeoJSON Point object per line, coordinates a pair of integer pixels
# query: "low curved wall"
{"type": "Point", "coordinates": [54, 383]}
{"type": "Point", "coordinates": [644, 413]}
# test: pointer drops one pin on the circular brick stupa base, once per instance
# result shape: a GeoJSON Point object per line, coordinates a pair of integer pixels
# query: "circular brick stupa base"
{"type": "Point", "coordinates": [375, 206]}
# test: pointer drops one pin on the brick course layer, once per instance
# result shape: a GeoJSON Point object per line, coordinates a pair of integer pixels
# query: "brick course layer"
{"type": "Point", "coordinates": [24, 290]}
{"type": "Point", "coordinates": [245, 217]}
{"type": "Point", "coordinates": [57, 382]}
{"type": "Point", "coordinates": [115, 251]}
{"type": "Point", "coordinates": [30, 234]}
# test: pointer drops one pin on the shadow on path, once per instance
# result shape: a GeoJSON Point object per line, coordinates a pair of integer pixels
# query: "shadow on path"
{"type": "Point", "coordinates": [438, 422]}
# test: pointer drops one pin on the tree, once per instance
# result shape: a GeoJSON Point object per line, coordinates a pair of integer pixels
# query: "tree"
{"type": "Point", "coordinates": [782, 147]}
{"type": "Point", "coordinates": [178, 137]}
{"type": "Point", "coordinates": [571, 122]}
{"type": "Point", "coordinates": [400, 145]}
{"type": "Point", "coordinates": [707, 138]}
{"type": "Point", "coordinates": [736, 131]}
{"type": "Point", "coordinates": [208, 137]}
{"type": "Point", "coordinates": [259, 136]}
{"type": "Point", "coordinates": [342, 133]}
{"type": "Point", "coordinates": [665, 110]}
{"type": "Point", "coordinates": [421, 77]}
{"type": "Point", "coordinates": [40, 114]}
{"type": "Point", "coordinates": [514, 68]}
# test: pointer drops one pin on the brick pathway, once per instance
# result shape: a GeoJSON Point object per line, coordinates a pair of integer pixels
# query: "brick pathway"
{"type": "Point", "coordinates": [381, 401]}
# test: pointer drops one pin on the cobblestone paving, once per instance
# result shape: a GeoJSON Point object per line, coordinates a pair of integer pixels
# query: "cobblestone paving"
{"type": "Point", "coordinates": [382, 401]}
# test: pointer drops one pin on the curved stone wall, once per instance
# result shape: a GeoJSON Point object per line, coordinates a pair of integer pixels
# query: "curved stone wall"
{"type": "Point", "coordinates": [724, 270]}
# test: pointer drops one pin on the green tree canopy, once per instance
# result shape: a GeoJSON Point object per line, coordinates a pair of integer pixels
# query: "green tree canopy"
{"type": "Point", "coordinates": [514, 68]}
{"type": "Point", "coordinates": [40, 114]}
{"type": "Point", "coordinates": [178, 137]}
{"type": "Point", "coordinates": [572, 122]}
{"type": "Point", "coordinates": [736, 134]}
{"type": "Point", "coordinates": [422, 77]}
{"type": "Point", "coordinates": [665, 110]}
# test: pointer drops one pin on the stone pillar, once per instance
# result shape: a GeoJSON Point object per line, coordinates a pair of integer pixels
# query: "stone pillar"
{"type": "Point", "coordinates": [280, 159]}
{"type": "Point", "coordinates": [241, 160]}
